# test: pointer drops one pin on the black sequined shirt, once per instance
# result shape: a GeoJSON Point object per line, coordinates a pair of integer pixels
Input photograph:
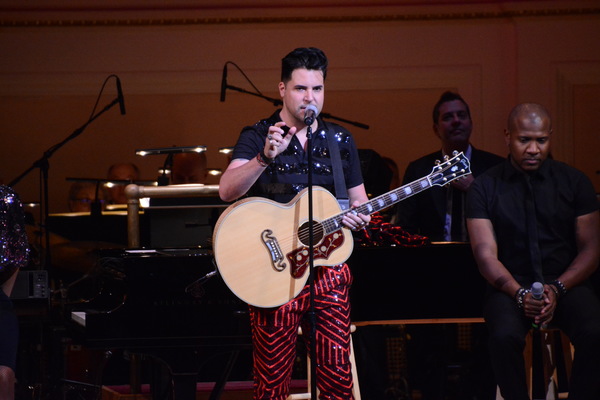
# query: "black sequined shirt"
{"type": "Point", "coordinates": [287, 175]}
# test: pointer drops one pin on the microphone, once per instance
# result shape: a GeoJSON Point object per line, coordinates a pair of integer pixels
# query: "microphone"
{"type": "Point", "coordinates": [310, 113]}
{"type": "Point", "coordinates": [224, 82]}
{"type": "Point", "coordinates": [120, 96]}
{"type": "Point", "coordinates": [537, 292]}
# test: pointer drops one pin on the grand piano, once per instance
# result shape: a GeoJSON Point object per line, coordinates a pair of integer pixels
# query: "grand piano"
{"type": "Point", "coordinates": [164, 301]}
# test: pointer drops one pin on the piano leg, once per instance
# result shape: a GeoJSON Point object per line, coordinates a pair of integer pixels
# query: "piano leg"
{"type": "Point", "coordinates": [184, 385]}
{"type": "Point", "coordinates": [220, 384]}
{"type": "Point", "coordinates": [184, 365]}
{"type": "Point", "coordinates": [135, 375]}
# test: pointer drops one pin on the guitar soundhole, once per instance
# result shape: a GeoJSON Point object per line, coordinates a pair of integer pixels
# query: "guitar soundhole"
{"type": "Point", "coordinates": [317, 233]}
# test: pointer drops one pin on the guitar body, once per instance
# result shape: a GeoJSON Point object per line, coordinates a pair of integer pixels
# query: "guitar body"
{"type": "Point", "coordinates": [261, 246]}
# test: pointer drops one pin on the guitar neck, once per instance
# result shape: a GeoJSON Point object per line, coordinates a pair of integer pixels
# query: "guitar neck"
{"type": "Point", "coordinates": [380, 202]}
{"type": "Point", "coordinates": [441, 175]}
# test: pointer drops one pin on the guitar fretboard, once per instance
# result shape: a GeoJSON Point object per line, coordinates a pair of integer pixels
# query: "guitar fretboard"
{"type": "Point", "coordinates": [379, 203]}
{"type": "Point", "coordinates": [441, 175]}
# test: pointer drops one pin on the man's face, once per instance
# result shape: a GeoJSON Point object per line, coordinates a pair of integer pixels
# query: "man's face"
{"type": "Point", "coordinates": [454, 124]}
{"type": "Point", "coordinates": [306, 87]}
{"type": "Point", "coordinates": [529, 143]}
{"type": "Point", "coordinates": [117, 191]}
{"type": "Point", "coordinates": [188, 168]}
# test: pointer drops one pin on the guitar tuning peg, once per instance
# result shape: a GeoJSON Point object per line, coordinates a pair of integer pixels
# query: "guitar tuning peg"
{"type": "Point", "coordinates": [446, 158]}
{"type": "Point", "coordinates": [437, 162]}
{"type": "Point", "coordinates": [455, 153]}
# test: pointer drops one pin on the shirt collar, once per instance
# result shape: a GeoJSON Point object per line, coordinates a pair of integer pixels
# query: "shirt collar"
{"type": "Point", "coordinates": [542, 172]}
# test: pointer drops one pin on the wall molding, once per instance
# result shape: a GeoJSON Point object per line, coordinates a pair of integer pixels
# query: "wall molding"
{"type": "Point", "coordinates": [569, 75]}
{"type": "Point", "coordinates": [21, 19]}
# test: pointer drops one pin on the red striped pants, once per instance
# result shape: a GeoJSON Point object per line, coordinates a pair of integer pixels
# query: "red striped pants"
{"type": "Point", "coordinates": [275, 331]}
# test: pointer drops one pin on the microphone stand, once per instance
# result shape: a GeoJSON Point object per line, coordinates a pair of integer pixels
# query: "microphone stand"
{"type": "Point", "coordinates": [311, 273]}
{"type": "Point", "coordinates": [44, 165]}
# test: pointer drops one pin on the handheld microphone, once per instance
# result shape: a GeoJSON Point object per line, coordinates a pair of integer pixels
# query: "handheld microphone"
{"type": "Point", "coordinates": [310, 113]}
{"type": "Point", "coordinates": [120, 96]}
{"type": "Point", "coordinates": [537, 292]}
{"type": "Point", "coordinates": [224, 82]}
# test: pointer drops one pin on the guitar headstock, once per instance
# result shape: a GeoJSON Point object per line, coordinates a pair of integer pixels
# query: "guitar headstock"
{"type": "Point", "coordinates": [451, 169]}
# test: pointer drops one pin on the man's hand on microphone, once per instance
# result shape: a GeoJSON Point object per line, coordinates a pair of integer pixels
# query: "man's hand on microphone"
{"type": "Point", "coordinates": [550, 302]}
{"type": "Point", "coordinates": [277, 140]}
{"type": "Point", "coordinates": [541, 311]}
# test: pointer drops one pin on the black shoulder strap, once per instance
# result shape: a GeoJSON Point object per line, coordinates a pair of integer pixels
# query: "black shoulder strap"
{"type": "Point", "coordinates": [338, 173]}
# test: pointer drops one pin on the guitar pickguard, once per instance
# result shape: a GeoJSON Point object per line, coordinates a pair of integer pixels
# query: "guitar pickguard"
{"type": "Point", "coordinates": [299, 258]}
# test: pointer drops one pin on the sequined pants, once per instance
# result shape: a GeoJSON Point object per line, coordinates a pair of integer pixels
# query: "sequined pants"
{"type": "Point", "coordinates": [275, 331]}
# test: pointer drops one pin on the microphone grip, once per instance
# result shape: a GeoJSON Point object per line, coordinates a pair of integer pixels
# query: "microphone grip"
{"type": "Point", "coordinates": [537, 292]}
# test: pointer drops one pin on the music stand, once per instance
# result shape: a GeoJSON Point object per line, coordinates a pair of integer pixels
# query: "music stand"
{"type": "Point", "coordinates": [163, 179]}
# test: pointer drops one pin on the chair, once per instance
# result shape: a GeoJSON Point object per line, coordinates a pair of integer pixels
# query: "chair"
{"type": "Point", "coordinates": [549, 365]}
{"type": "Point", "coordinates": [355, 386]}
{"type": "Point", "coordinates": [548, 360]}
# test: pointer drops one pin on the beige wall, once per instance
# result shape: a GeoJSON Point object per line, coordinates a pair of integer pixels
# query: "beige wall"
{"type": "Point", "coordinates": [388, 65]}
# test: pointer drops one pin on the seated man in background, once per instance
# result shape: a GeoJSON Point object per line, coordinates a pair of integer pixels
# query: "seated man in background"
{"type": "Point", "coordinates": [189, 168]}
{"type": "Point", "coordinates": [531, 219]}
{"type": "Point", "coordinates": [121, 172]}
{"type": "Point", "coordinates": [82, 195]}
{"type": "Point", "coordinates": [438, 213]}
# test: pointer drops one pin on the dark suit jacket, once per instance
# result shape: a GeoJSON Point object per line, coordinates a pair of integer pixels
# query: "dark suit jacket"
{"type": "Point", "coordinates": [425, 212]}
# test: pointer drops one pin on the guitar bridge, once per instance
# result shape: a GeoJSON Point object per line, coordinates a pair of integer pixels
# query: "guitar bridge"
{"type": "Point", "coordinates": [270, 242]}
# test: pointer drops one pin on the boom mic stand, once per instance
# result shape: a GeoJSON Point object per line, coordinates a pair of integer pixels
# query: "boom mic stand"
{"type": "Point", "coordinates": [44, 165]}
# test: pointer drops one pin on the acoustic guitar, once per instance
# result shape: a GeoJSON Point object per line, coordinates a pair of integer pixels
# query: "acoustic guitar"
{"type": "Point", "coordinates": [261, 247]}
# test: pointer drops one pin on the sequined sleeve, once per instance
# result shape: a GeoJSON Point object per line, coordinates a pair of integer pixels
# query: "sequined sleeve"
{"type": "Point", "coordinates": [14, 247]}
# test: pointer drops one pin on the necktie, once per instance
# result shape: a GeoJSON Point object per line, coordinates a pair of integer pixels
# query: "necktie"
{"type": "Point", "coordinates": [532, 232]}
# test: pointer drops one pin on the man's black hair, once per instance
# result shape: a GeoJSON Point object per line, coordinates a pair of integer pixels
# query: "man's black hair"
{"type": "Point", "coordinates": [303, 57]}
{"type": "Point", "coordinates": [444, 98]}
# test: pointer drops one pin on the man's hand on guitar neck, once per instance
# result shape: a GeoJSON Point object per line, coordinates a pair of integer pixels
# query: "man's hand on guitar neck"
{"type": "Point", "coordinates": [355, 221]}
